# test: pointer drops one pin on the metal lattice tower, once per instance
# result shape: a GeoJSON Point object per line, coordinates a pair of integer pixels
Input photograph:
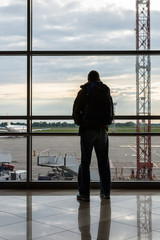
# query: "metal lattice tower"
{"type": "Point", "coordinates": [143, 82]}
{"type": "Point", "coordinates": [144, 217]}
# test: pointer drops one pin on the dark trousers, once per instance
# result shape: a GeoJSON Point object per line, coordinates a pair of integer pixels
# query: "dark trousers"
{"type": "Point", "coordinates": [97, 139]}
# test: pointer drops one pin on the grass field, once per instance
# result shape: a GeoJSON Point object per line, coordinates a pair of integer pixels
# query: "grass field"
{"type": "Point", "coordinates": [75, 130]}
{"type": "Point", "coordinates": [116, 130]}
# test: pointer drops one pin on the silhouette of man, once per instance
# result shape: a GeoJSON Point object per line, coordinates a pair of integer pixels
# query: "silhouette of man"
{"type": "Point", "coordinates": [93, 134]}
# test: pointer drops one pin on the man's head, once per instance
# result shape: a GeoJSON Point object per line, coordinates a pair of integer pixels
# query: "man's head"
{"type": "Point", "coordinates": [93, 76]}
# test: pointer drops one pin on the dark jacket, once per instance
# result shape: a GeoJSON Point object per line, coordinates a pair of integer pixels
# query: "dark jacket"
{"type": "Point", "coordinates": [81, 100]}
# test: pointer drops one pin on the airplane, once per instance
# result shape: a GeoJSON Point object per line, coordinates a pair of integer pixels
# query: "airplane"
{"type": "Point", "coordinates": [13, 128]}
{"type": "Point", "coordinates": [18, 128]}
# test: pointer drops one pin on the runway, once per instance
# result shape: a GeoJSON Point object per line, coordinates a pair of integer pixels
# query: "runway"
{"type": "Point", "coordinates": [122, 153]}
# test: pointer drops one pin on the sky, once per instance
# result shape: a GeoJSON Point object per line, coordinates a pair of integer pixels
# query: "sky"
{"type": "Point", "coordinates": [73, 25]}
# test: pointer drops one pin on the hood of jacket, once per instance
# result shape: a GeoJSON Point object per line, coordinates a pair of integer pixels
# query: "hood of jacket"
{"type": "Point", "coordinates": [98, 85]}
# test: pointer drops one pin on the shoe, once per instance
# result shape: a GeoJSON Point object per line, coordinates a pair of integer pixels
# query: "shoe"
{"type": "Point", "coordinates": [104, 196]}
{"type": "Point", "coordinates": [83, 197]}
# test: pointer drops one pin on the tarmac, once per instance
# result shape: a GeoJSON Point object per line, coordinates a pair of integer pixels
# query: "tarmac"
{"type": "Point", "coordinates": [122, 153]}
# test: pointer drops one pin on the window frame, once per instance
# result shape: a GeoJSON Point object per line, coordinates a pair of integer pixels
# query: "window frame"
{"type": "Point", "coordinates": [29, 117]}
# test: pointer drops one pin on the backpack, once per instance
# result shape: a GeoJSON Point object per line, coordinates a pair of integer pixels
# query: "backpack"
{"type": "Point", "coordinates": [98, 109]}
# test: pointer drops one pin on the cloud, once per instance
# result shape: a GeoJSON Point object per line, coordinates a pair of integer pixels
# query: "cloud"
{"type": "Point", "coordinates": [71, 28]}
{"type": "Point", "coordinates": [13, 25]}
{"type": "Point", "coordinates": [75, 69]}
{"type": "Point", "coordinates": [73, 25]}
{"type": "Point", "coordinates": [13, 92]}
{"type": "Point", "coordinates": [13, 107]}
{"type": "Point", "coordinates": [60, 106]}
{"type": "Point", "coordinates": [52, 91]}
{"type": "Point", "coordinates": [13, 70]}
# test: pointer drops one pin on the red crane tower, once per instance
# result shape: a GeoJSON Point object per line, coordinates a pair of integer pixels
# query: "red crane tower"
{"type": "Point", "coordinates": [143, 94]}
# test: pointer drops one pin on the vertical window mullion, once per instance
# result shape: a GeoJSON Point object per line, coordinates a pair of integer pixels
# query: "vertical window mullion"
{"type": "Point", "coordinates": [29, 91]}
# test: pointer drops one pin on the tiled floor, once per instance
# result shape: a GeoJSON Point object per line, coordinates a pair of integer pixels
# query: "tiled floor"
{"type": "Point", "coordinates": [57, 215]}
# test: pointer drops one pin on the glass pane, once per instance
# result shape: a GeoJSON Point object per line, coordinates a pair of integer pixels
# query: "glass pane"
{"type": "Point", "coordinates": [123, 159]}
{"type": "Point", "coordinates": [121, 126]}
{"type": "Point", "coordinates": [155, 85]}
{"type": "Point", "coordinates": [68, 126]}
{"type": "Point", "coordinates": [12, 159]}
{"type": "Point", "coordinates": [13, 25]}
{"type": "Point", "coordinates": [13, 85]}
{"type": "Point", "coordinates": [89, 25]}
{"type": "Point", "coordinates": [155, 126]}
{"type": "Point", "coordinates": [54, 126]}
{"type": "Point", "coordinates": [130, 126]}
{"type": "Point", "coordinates": [55, 158]}
{"type": "Point", "coordinates": [56, 81]}
{"type": "Point", "coordinates": [154, 19]}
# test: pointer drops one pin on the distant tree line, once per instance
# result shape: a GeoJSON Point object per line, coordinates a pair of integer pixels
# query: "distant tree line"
{"type": "Point", "coordinates": [133, 125]}
{"type": "Point", "coordinates": [53, 124]}
{"type": "Point", "coordinates": [126, 124]}
{"type": "Point", "coordinates": [43, 124]}
{"type": "Point", "coordinates": [4, 124]}
{"type": "Point", "coordinates": [66, 124]}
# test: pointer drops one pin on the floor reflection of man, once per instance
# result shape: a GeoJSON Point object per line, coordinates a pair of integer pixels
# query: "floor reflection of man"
{"type": "Point", "coordinates": [84, 220]}
{"type": "Point", "coordinates": [104, 221]}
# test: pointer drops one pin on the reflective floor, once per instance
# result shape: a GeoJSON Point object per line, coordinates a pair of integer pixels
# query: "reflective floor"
{"type": "Point", "coordinates": [57, 215]}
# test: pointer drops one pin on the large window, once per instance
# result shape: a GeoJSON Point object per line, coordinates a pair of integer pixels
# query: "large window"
{"type": "Point", "coordinates": [47, 49]}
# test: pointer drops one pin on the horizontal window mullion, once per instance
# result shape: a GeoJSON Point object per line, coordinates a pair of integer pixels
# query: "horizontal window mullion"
{"type": "Point", "coordinates": [26, 134]}
{"type": "Point", "coordinates": [14, 117]}
{"type": "Point", "coordinates": [69, 117]}
{"type": "Point", "coordinates": [81, 53]}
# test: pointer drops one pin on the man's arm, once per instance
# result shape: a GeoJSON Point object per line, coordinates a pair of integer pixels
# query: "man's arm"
{"type": "Point", "coordinates": [77, 108]}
